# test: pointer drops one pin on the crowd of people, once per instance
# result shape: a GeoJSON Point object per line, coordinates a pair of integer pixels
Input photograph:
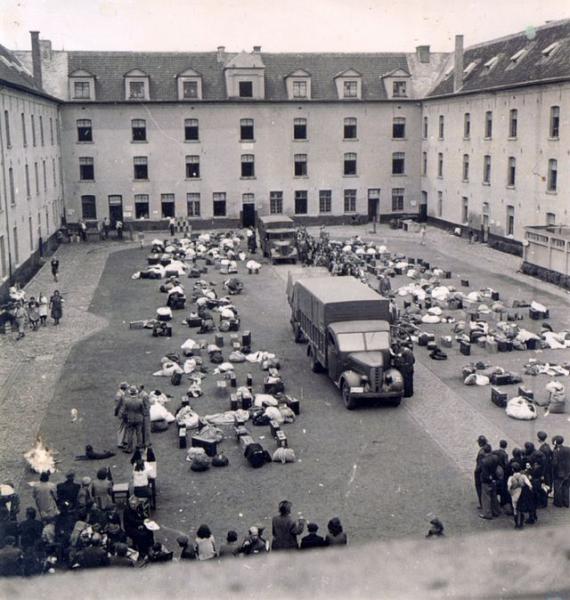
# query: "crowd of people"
{"type": "Point", "coordinates": [521, 484]}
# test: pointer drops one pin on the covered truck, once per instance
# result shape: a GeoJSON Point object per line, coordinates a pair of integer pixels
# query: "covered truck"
{"type": "Point", "coordinates": [347, 329]}
{"type": "Point", "coordinates": [278, 238]}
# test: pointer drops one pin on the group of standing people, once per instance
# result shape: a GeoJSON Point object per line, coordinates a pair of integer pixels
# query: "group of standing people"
{"type": "Point", "coordinates": [521, 484]}
{"type": "Point", "coordinates": [132, 408]}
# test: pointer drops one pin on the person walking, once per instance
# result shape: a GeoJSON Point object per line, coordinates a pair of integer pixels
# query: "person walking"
{"type": "Point", "coordinates": [106, 227]}
{"type": "Point", "coordinates": [561, 472]}
{"type": "Point", "coordinates": [56, 306]}
{"type": "Point", "coordinates": [482, 441]}
{"type": "Point", "coordinates": [34, 313]}
{"type": "Point", "coordinates": [83, 230]}
{"type": "Point", "coordinates": [20, 315]}
{"type": "Point", "coordinates": [119, 228]}
{"type": "Point", "coordinates": [54, 267]}
{"type": "Point", "coordinates": [284, 529]}
{"type": "Point", "coordinates": [172, 226]}
{"type": "Point", "coordinates": [43, 308]}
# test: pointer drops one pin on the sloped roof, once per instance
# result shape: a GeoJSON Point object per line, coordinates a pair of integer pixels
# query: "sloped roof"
{"type": "Point", "coordinates": [244, 60]}
{"type": "Point", "coordinates": [163, 67]}
{"type": "Point", "coordinates": [13, 72]}
{"type": "Point", "coordinates": [532, 67]}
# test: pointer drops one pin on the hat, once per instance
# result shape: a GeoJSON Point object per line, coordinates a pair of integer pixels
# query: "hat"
{"type": "Point", "coordinates": [151, 525]}
{"type": "Point", "coordinates": [541, 435]}
{"type": "Point", "coordinates": [70, 474]}
{"type": "Point", "coordinates": [86, 480]}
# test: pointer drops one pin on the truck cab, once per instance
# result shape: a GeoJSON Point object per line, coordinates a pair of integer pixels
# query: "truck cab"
{"type": "Point", "coordinates": [278, 238]}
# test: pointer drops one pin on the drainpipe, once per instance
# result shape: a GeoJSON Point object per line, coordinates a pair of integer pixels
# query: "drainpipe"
{"type": "Point", "coordinates": [6, 205]}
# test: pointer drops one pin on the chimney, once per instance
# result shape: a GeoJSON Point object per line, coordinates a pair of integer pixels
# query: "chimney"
{"type": "Point", "coordinates": [422, 53]}
{"type": "Point", "coordinates": [256, 49]}
{"type": "Point", "coordinates": [221, 54]}
{"type": "Point", "coordinates": [36, 57]}
{"type": "Point", "coordinates": [458, 64]}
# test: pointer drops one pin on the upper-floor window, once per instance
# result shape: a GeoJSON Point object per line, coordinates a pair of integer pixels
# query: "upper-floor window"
{"type": "Point", "coordinates": [245, 89]}
{"type": "Point", "coordinates": [424, 163]}
{"type": "Point", "coordinates": [350, 163]}
{"type": "Point", "coordinates": [24, 136]}
{"type": "Point", "coordinates": [489, 124]}
{"type": "Point", "coordinates": [425, 128]}
{"type": "Point", "coordinates": [84, 130]}
{"type": "Point", "coordinates": [33, 124]}
{"type": "Point", "coordinates": [550, 218]}
{"type": "Point", "coordinates": [7, 129]}
{"type": "Point", "coordinates": [399, 127]}
{"type": "Point", "coordinates": [510, 220]}
{"type": "Point", "coordinates": [189, 90]}
{"type": "Point", "coordinates": [487, 169]}
{"type": "Point", "coordinates": [439, 204]}
{"type": "Point", "coordinates": [300, 129]}
{"type": "Point", "coordinates": [300, 165]}
{"type": "Point", "coordinates": [554, 126]}
{"type": "Point", "coordinates": [513, 122]}
{"type": "Point", "coordinates": [350, 128]}
{"type": "Point", "coordinates": [466, 167]}
{"type": "Point", "coordinates": [247, 165]}
{"type": "Point", "coordinates": [399, 89]}
{"type": "Point", "coordinates": [27, 174]}
{"type": "Point", "coordinates": [86, 169]}
{"type": "Point", "coordinates": [512, 171]}
{"type": "Point", "coordinates": [192, 167]}
{"type": "Point", "coordinates": [42, 130]}
{"type": "Point", "coordinates": [191, 130]}
{"type": "Point", "coordinates": [552, 183]}
{"type": "Point", "coordinates": [299, 89]}
{"type": "Point", "coordinates": [141, 206]}
{"type": "Point", "coordinates": [467, 125]}
{"type": "Point", "coordinates": [138, 128]}
{"type": "Point", "coordinates": [350, 89]}
{"type": "Point", "coordinates": [441, 127]}
{"type": "Point", "coordinates": [140, 167]}
{"type": "Point", "coordinates": [398, 163]}
{"type": "Point", "coordinates": [246, 131]}
{"type": "Point", "coordinates": [440, 164]}
{"type": "Point", "coordinates": [12, 186]}
{"type": "Point", "coordinates": [81, 90]}
{"type": "Point", "coordinates": [51, 131]}
{"type": "Point", "coordinates": [136, 90]}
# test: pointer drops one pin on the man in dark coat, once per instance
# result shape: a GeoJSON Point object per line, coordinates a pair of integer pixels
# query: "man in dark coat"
{"type": "Point", "coordinates": [312, 539]}
{"type": "Point", "coordinates": [482, 441]}
{"type": "Point", "coordinates": [489, 501]}
{"type": "Point", "coordinates": [561, 472]}
{"type": "Point", "coordinates": [404, 361]}
{"type": "Point", "coordinates": [547, 451]}
{"type": "Point", "coordinates": [134, 416]}
{"type": "Point", "coordinates": [67, 490]}
{"type": "Point", "coordinates": [11, 558]}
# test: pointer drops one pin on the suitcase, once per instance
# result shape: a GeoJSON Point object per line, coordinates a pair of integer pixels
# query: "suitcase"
{"type": "Point", "coordinates": [240, 431]}
{"type": "Point", "coordinates": [532, 344]}
{"type": "Point", "coordinates": [246, 338]}
{"type": "Point", "coordinates": [137, 324]}
{"type": "Point", "coordinates": [447, 275]}
{"type": "Point", "coordinates": [465, 348]}
{"type": "Point", "coordinates": [491, 346]}
{"type": "Point", "coordinates": [234, 404]}
{"type": "Point", "coordinates": [465, 282]}
{"type": "Point", "coordinates": [194, 321]}
{"type": "Point", "coordinates": [504, 345]}
{"type": "Point", "coordinates": [294, 405]}
{"type": "Point", "coordinates": [281, 439]}
{"type": "Point", "coordinates": [153, 259]}
{"type": "Point", "coordinates": [501, 379]}
{"type": "Point", "coordinates": [182, 437]}
{"type": "Point", "coordinates": [495, 296]}
{"type": "Point", "coordinates": [498, 398]}
{"type": "Point", "coordinates": [525, 392]}
{"type": "Point", "coordinates": [274, 427]}
{"type": "Point", "coordinates": [246, 402]}
{"type": "Point", "coordinates": [446, 341]}
{"type": "Point", "coordinates": [431, 346]}
{"type": "Point", "coordinates": [210, 446]}
{"type": "Point", "coordinates": [219, 340]}
{"type": "Point", "coordinates": [176, 378]}
{"type": "Point", "coordinates": [426, 265]}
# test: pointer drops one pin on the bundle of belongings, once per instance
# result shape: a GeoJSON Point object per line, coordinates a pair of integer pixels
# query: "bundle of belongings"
{"type": "Point", "coordinates": [556, 397]}
{"type": "Point", "coordinates": [253, 267]}
{"type": "Point", "coordinates": [268, 407]}
{"type": "Point", "coordinates": [521, 408]}
{"type": "Point", "coordinates": [481, 373]}
{"type": "Point", "coordinates": [535, 367]}
{"type": "Point", "coordinates": [233, 285]}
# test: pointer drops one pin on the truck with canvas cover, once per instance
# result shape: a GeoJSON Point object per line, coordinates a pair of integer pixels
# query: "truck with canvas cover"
{"type": "Point", "coordinates": [277, 237]}
{"type": "Point", "coordinates": [347, 328]}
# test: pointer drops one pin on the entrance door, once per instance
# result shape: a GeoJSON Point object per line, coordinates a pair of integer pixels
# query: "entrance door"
{"type": "Point", "coordinates": [422, 216]}
{"type": "Point", "coordinates": [115, 209]}
{"type": "Point", "coordinates": [248, 215]}
{"type": "Point", "coordinates": [373, 205]}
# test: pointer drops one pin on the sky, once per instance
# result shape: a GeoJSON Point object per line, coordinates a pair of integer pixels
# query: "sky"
{"type": "Point", "coordinates": [276, 25]}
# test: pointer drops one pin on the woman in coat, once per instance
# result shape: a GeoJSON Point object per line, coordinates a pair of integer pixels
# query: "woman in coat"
{"type": "Point", "coordinates": [56, 305]}
{"type": "Point", "coordinates": [520, 489]}
{"type": "Point", "coordinates": [285, 530]}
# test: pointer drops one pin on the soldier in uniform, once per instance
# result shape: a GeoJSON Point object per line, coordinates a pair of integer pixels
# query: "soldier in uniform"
{"type": "Point", "coordinates": [403, 359]}
{"type": "Point", "coordinates": [134, 415]}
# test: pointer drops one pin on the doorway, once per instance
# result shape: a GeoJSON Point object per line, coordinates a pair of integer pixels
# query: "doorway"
{"type": "Point", "coordinates": [115, 209]}
{"type": "Point", "coordinates": [248, 215]}
{"type": "Point", "coordinates": [422, 215]}
{"type": "Point", "coordinates": [373, 205]}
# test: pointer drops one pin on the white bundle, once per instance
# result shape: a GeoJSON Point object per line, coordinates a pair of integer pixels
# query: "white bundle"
{"type": "Point", "coordinates": [159, 413]}
{"type": "Point", "coordinates": [189, 365]}
{"type": "Point", "coordinates": [265, 400]}
{"type": "Point", "coordinates": [274, 414]}
{"type": "Point", "coordinates": [520, 408]}
{"type": "Point", "coordinates": [189, 344]}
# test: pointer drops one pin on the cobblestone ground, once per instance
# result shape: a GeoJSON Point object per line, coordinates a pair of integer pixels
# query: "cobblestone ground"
{"type": "Point", "coordinates": [30, 368]}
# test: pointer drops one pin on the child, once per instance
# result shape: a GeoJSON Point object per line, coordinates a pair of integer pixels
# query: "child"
{"type": "Point", "coordinates": [43, 308]}
{"type": "Point", "coordinates": [34, 313]}
{"type": "Point", "coordinates": [140, 236]}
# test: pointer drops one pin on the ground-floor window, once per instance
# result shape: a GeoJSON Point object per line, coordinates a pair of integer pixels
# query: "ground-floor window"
{"type": "Point", "coordinates": [397, 199]}
{"type": "Point", "coordinates": [167, 205]}
{"type": "Point", "coordinates": [219, 204]}
{"type": "Point", "coordinates": [300, 202]}
{"type": "Point", "coordinates": [349, 201]}
{"type": "Point", "coordinates": [193, 204]}
{"type": "Point", "coordinates": [88, 207]}
{"type": "Point", "coordinates": [325, 201]}
{"type": "Point", "coordinates": [141, 206]}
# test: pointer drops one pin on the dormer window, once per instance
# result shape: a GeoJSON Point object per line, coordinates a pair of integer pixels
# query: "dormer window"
{"type": "Point", "coordinates": [515, 58]}
{"type": "Point", "coordinates": [245, 89]}
{"type": "Point", "coordinates": [298, 84]}
{"type": "Point", "coordinates": [469, 69]}
{"type": "Point", "coordinates": [350, 89]}
{"type": "Point", "coordinates": [81, 85]}
{"type": "Point", "coordinates": [349, 84]}
{"type": "Point", "coordinates": [189, 90]}
{"type": "Point", "coordinates": [299, 89]}
{"type": "Point", "coordinates": [396, 83]}
{"type": "Point", "coordinates": [136, 85]}
{"type": "Point", "coordinates": [244, 75]}
{"type": "Point", "coordinates": [490, 64]}
{"type": "Point", "coordinates": [550, 50]}
{"type": "Point", "coordinates": [399, 89]}
{"type": "Point", "coordinates": [82, 90]}
{"type": "Point", "coordinates": [189, 85]}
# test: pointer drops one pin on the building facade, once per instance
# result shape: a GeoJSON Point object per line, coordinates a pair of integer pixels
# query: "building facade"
{"type": "Point", "coordinates": [31, 187]}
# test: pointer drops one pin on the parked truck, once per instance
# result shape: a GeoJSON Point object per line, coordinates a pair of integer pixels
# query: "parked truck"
{"type": "Point", "coordinates": [278, 238]}
{"type": "Point", "coordinates": [347, 329]}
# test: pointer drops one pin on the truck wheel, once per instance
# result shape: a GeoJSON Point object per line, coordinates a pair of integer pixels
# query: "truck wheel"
{"type": "Point", "coordinates": [396, 401]}
{"type": "Point", "coordinates": [349, 401]}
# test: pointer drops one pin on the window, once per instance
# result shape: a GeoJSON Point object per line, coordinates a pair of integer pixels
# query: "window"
{"type": "Point", "coordinates": [350, 128]}
{"type": "Point", "coordinates": [399, 127]}
{"type": "Point", "coordinates": [275, 203]}
{"type": "Point", "coordinates": [141, 206]}
{"type": "Point", "coordinates": [31, 233]}
{"type": "Point", "coordinates": [191, 130]}
{"type": "Point", "coordinates": [350, 163]}
{"type": "Point", "coordinates": [86, 168]}
{"type": "Point", "coordinates": [27, 173]}
{"type": "Point", "coordinates": [487, 169]}
{"type": "Point", "coordinates": [167, 205]}
{"type": "Point", "coordinates": [485, 211]}
{"type": "Point", "coordinates": [465, 209]}
{"type": "Point", "coordinates": [512, 171]}
{"type": "Point", "coordinates": [2, 258]}
{"type": "Point", "coordinates": [299, 89]}
{"type": "Point", "coordinates": [44, 174]}
{"type": "Point", "coordinates": [349, 201]}
{"type": "Point", "coordinates": [136, 90]}
{"type": "Point", "coordinates": [248, 198]}
{"type": "Point", "coordinates": [300, 165]}
{"type": "Point", "coordinates": [489, 124]}
{"type": "Point", "coordinates": [552, 183]}
{"type": "Point", "coordinates": [81, 90]}
{"type": "Point", "coordinates": [193, 204]}
{"type": "Point", "coordinates": [549, 50]}
{"type": "Point", "coordinates": [466, 167]}
{"type": "Point", "coordinates": [138, 128]}
{"type": "Point", "coordinates": [219, 204]}
{"type": "Point", "coordinates": [16, 244]}
{"type": "Point", "coordinates": [24, 136]}
{"type": "Point", "coordinates": [51, 131]}
{"type": "Point", "coordinates": [41, 130]}
{"type": "Point", "coordinates": [439, 204]}
{"type": "Point", "coordinates": [140, 167]}
{"type": "Point", "coordinates": [12, 187]}
{"type": "Point", "coordinates": [550, 218]}
{"type": "Point", "coordinates": [7, 129]}
{"type": "Point", "coordinates": [247, 165]}
{"type": "Point", "coordinates": [37, 178]}
{"type": "Point", "coordinates": [300, 202]}
{"type": "Point", "coordinates": [192, 167]}
{"type": "Point", "coordinates": [189, 90]}
{"type": "Point", "coordinates": [33, 123]}
{"type": "Point", "coordinates": [425, 128]}
{"type": "Point", "coordinates": [440, 164]}
{"type": "Point", "coordinates": [424, 163]}
{"type": "Point", "coordinates": [398, 163]}
{"type": "Point", "coordinates": [325, 201]}
{"type": "Point", "coordinates": [554, 122]}
{"type": "Point", "coordinates": [299, 129]}
{"type": "Point", "coordinates": [513, 122]}
{"type": "Point", "coordinates": [350, 89]}
{"type": "Point", "coordinates": [245, 90]}
{"type": "Point", "coordinates": [246, 129]}
{"type": "Point", "coordinates": [441, 126]}
{"type": "Point", "coordinates": [510, 220]}
{"type": "Point", "coordinates": [467, 125]}
{"type": "Point", "coordinates": [399, 89]}
{"type": "Point", "coordinates": [54, 177]}
{"type": "Point", "coordinates": [88, 207]}
{"type": "Point", "coordinates": [84, 130]}
{"type": "Point", "coordinates": [397, 199]}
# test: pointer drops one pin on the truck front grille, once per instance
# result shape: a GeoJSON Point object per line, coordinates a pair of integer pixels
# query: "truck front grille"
{"type": "Point", "coordinates": [376, 379]}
